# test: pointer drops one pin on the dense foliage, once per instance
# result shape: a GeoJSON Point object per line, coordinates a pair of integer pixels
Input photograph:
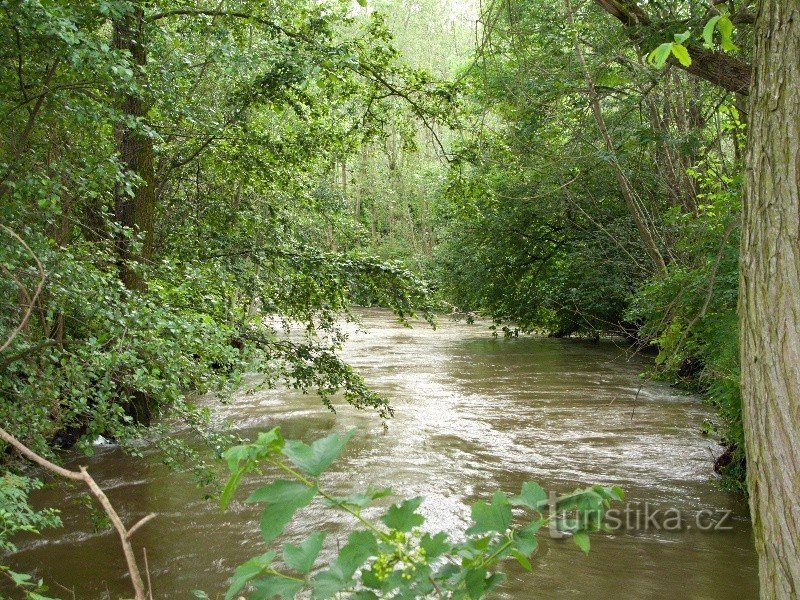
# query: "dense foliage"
{"type": "Point", "coordinates": [165, 198]}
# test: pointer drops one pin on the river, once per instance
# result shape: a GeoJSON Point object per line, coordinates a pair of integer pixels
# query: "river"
{"type": "Point", "coordinates": [473, 414]}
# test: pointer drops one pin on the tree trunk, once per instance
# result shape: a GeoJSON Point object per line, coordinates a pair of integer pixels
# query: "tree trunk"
{"type": "Point", "coordinates": [135, 149]}
{"type": "Point", "coordinates": [770, 299]}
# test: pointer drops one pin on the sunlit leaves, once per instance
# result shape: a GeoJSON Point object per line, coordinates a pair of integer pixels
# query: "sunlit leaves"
{"type": "Point", "coordinates": [659, 56]}
{"type": "Point", "coordinates": [724, 25]}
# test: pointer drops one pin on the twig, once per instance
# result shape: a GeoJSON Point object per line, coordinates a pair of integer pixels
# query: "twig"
{"type": "Point", "coordinates": [635, 398]}
{"type": "Point", "coordinates": [147, 571]}
{"type": "Point", "coordinates": [39, 287]}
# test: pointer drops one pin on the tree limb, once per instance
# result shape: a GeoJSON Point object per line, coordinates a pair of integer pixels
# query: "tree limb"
{"type": "Point", "coordinates": [724, 70]}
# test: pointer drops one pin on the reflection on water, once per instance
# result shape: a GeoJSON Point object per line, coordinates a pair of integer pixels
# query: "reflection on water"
{"type": "Point", "coordinates": [473, 414]}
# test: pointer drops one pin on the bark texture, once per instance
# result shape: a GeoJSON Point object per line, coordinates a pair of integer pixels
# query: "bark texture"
{"type": "Point", "coordinates": [770, 299]}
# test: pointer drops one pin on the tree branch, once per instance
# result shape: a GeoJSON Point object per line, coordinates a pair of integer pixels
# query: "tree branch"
{"type": "Point", "coordinates": [83, 475]}
{"type": "Point", "coordinates": [724, 70]}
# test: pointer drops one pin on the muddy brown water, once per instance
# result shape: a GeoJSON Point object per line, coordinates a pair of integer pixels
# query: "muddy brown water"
{"type": "Point", "coordinates": [473, 414]}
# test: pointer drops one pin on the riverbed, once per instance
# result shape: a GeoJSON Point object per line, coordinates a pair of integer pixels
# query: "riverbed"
{"type": "Point", "coordinates": [473, 413]}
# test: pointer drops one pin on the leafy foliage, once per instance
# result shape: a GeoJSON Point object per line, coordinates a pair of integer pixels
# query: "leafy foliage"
{"type": "Point", "coordinates": [394, 558]}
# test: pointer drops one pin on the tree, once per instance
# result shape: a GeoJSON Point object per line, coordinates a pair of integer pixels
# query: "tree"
{"type": "Point", "coordinates": [769, 295]}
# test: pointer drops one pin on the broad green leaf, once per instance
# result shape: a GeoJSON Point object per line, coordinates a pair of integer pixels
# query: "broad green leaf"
{"type": "Point", "coordinates": [200, 594]}
{"type": "Point", "coordinates": [361, 499]}
{"type": "Point", "coordinates": [301, 558]}
{"type": "Point", "coordinates": [235, 455]}
{"type": "Point", "coordinates": [247, 571]}
{"type": "Point", "coordinates": [682, 54]}
{"type": "Point", "coordinates": [475, 581]}
{"type": "Point", "coordinates": [617, 493]}
{"type": "Point", "coordinates": [266, 588]}
{"type": "Point", "coordinates": [434, 546]}
{"type": "Point", "coordinates": [659, 56]}
{"type": "Point", "coordinates": [360, 546]}
{"type": "Point", "coordinates": [491, 517]}
{"type": "Point", "coordinates": [283, 498]}
{"type": "Point", "coordinates": [317, 457]}
{"type": "Point", "coordinates": [581, 539]}
{"type": "Point", "coordinates": [230, 488]}
{"type": "Point", "coordinates": [532, 496]}
{"type": "Point", "coordinates": [525, 539]}
{"type": "Point", "coordinates": [402, 516]}
{"type": "Point", "coordinates": [725, 27]}
{"type": "Point", "coordinates": [708, 31]}
{"type": "Point", "coordinates": [269, 442]}
{"type": "Point", "coordinates": [478, 583]}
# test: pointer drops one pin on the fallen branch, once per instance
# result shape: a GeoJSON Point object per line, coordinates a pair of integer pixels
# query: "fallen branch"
{"type": "Point", "coordinates": [83, 475]}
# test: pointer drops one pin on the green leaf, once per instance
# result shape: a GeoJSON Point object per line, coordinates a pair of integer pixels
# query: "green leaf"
{"type": "Point", "coordinates": [230, 488]}
{"type": "Point", "coordinates": [522, 559]}
{"type": "Point", "coordinates": [532, 496]}
{"type": "Point", "coordinates": [361, 499]}
{"type": "Point", "coordinates": [247, 571]}
{"type": "Point", "coordinates": [235, 455]}
{"type": "Point", "coordinates": [317, 457]}
{"type": "Point", "coordinates": [725, 27]}
{"type": "Point", "coordinates": [362, 3]}
{"type": "Point", "coordinates": [283, 498]}
{"type": "Point", "coordinates": [581, 539]}
{"type": "Point", "coordinates": [682, 54]}
{"type": "Point", "coordinates": [360, 546]}
{"type": "Point", "coordinates": [525, 539]}
{"type": "Point", "coordinates": [301, 558]}
{"type": "Point", "coordinates": [402, 516]}
{"type": "Point", "coordinates": [491, 517]}
{"type": "Point", "coordinates": [708, 31]}
{"type": "Point", "coordinates": [659, 56]}
{"type": "Point", "coordinates": [434, 546]}
{"type": "Point", "coordinates": [682, 37]}
{"type": "Point", "coordinates": [200, 594]}
{"type": "Point", "coordinates": [273, 585]}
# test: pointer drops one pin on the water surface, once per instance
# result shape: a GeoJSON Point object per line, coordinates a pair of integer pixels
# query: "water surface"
{"type": "Point", "coordinates": [472, 414]}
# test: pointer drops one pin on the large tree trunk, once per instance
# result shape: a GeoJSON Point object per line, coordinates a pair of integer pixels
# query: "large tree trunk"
{"type": "Point", "coordinates": [770, 299]}
{"type": "Point", "coordinates": [136, 153]}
